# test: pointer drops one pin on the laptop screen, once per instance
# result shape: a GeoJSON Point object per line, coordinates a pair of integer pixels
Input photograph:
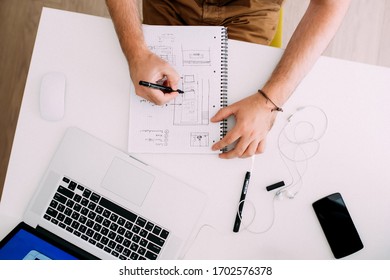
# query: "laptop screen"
{"type": "Point", "coordinates": [25, 244]}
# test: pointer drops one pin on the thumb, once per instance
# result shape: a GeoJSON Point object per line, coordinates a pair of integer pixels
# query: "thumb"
{"type": "Point", "coordinates": [223, 113]}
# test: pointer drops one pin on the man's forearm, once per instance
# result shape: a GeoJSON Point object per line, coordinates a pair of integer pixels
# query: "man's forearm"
{"type": "Point", "coordinates": [310, 39]}
{"type": "Point", "coordinates": [125, 16]}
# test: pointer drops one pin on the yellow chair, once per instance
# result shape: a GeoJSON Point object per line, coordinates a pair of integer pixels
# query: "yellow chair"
{"type": "Point", "coordinates": [277, 40]}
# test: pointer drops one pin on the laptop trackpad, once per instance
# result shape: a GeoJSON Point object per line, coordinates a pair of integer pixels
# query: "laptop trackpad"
{"type": "Point", "coordinates": [128, 181]}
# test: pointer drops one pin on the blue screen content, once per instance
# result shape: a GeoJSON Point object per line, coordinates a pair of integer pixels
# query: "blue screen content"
{"type": "Point", "coordinates": [26, 246]}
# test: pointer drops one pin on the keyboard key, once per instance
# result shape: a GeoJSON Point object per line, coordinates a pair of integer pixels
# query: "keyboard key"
{"type": "Point", "coordinates": [121, 230]}
{"type": "Point", "coordinates": [82, 229]}
{"type": "Point", "coordinates": [51, 212]}
{"type": "Point", "coordinates": [77, 198]}
{"type": "Point", "coordinates": [154, 248]}
{"type": "Point", "coordinates": [66, 192]}
{"type": "Point", "coordinates": [155, 239]}
{"type": "Point", "coordinates": [111, 244]}
{"type": "Point", "coordinates": [115, 254]}
{"type": "Point", "coordinates": [75, 225]}
{"type": "Point", "coordinates": [141, 251]}
{"type": "Point", "coordinates": [136, 229]}
{"type": "Point", "coordinates": [99, 209]}
{"type": "Point", "coordinates": [149, 226]}
{"type": "Point", "coordinates": [53, 203]}
{"type": "Point", "coordinates": [121, 221]}
{"type": "Point", "coordinates": [106, 223]}
{"type": "Point", "coordinates": [68, 221]}
{"type": "Point", "coordinates": [151, 256]}
{"type": "Point", "coordinates": [126, 252]}
{"type": "Point", "coordinates": [136, 238]}
{"type": "Point", "coordinates": [68, 211]}
{"type": "Point", "coordinates": [97, 236]}
{"type": "Point", "coordinates": [99, 219]}
{"type": "Point", "coordinates": [134, 256]}
{"type": "Point", "coordinates": [75, 216]}
{"type": "Point", "coordinates": [84, 202]}
{"type": "Point", "coordinates": [61, 207]}
{"type": "Point", "coordinates": [72, 186]}
{"type": "Point", "coordinates": [157, 230]}
{"type": "Point", "coordinates": [87, 193]}
{"type": "Point", "coordinates": [89, 232]}
{"type": "Point", "coordinates": [140, 222]}
{"type": "Point", "coordinates": [164, 234]}
{"type": "Point", "coordinates": [104, 240]}
{"type": "Point", "coordinates": [91, 215]}
{"type": "Point", "coordinates": [128, 234]}
{"type": "Point", "coordinates": [95, 197]}
{"type": "Point", "coordinates": [106, 214]}
{"type": "Point", "coordinates": [104, 231]}
{"type": "Point", "coordinates": [69, 229]}
{"type": "Point", "coordinates": [119, 248]}
{"type": "Point", "coordinates": [143, 242]}
{"type": "Point", "coordinates": [66, 180]}
{"type": "Point", "coordinates": [128, 225]}
{"type": "Point", "coordinates": [114, 217]}
{"type": "Point", "coordinates": [114, 227]}
{"type": "Point", "coordinates": [119, 239]}
{"type": "Point", "coordinates": [60, 198]}
{"type": "Point", "coordinates": [134, 247]}
{"type": "Point", "coordinates": [117, 209]}
{"type": "Point", "coordinates": [92, 205]}
{"type": "Point", "coordinates": [126, 243]}
{"type": "Point", "coordinates": [77, 207]}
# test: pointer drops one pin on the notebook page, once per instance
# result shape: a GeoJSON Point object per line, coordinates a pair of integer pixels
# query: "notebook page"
{"type": "Point", "coordinates": [183, 125]}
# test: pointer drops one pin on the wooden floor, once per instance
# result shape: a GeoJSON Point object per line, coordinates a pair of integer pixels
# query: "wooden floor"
{"type": "Point", "coordinates": [364, 37]}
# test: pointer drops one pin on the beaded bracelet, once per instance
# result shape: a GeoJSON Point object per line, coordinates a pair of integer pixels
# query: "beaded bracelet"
{"type": "Point", "coordinates": [277, 108]}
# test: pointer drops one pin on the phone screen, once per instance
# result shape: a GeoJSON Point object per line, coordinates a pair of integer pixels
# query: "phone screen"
{"type": "Point", "coordinates": [337, 225]}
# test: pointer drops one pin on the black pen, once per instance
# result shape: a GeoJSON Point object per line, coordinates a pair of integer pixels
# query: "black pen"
{"type": "Point", "coordinates": [237, 222]}
{"type": "Point", "coordinates": [160, 87]}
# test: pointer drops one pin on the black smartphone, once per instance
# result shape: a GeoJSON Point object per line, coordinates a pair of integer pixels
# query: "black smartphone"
{"type": "Point", "coordinates": [337, 225]}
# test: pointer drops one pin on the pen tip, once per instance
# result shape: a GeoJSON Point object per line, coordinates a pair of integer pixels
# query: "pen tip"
{"type": "Point", "coordinates": [180, 91]}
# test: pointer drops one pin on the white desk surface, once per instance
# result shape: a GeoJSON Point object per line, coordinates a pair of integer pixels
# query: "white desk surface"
{"type": "Point", "coordinates": [353, 158]}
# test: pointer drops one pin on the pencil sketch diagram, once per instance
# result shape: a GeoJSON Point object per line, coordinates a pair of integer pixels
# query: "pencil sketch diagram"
{"type": "Point", "coordinates": [157, 137]}
{"type": "Point", "coordinates": [192, 106]}
{"type": "Point", "coordinates": [199, 139]}
{"type": "Point", "coordinates": [196, 57]}
{"type": "Point", "coordinates": [165, 52]}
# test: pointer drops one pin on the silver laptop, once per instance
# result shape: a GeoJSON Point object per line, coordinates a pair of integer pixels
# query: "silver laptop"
{"type": "Point", "coordinates": [111, 205]}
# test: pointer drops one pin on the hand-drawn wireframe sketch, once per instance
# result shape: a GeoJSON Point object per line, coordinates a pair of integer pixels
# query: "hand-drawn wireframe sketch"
{"type": "Point", "coordinates": [199, 139]}
{"type": "Point", "coordinates": [158, 137]}
{"type": "Point", "coordinates": [165, 52]}
{"type": "Point", "coordinates": [193, 104]}
{"type": "Point", "coordinates": [196, 57]}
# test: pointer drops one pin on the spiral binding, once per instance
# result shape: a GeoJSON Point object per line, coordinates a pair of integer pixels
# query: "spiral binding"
{"type": "Point", "coordinates": [224, 80]}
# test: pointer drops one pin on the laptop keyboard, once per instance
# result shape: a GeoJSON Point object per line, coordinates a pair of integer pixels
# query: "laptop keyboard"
{"type": "Point", "coordinates": [108, 226]}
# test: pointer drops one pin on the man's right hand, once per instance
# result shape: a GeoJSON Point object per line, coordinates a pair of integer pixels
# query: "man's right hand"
{"type": "Point", "coordinates": [151, 68]}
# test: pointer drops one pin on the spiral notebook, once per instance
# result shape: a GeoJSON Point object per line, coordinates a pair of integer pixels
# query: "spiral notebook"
{"type": "Point", "coordinates": [199, 55]}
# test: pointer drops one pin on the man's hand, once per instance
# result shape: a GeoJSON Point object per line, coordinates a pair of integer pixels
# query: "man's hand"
{"type": "Point", "coordinates": [254, 119]}
{"type": "Point", "coordinates": [151, 68]}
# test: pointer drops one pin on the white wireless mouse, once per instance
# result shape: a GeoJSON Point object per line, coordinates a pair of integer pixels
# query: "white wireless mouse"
{"type": "Point", "coordinates": [52, 96]}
